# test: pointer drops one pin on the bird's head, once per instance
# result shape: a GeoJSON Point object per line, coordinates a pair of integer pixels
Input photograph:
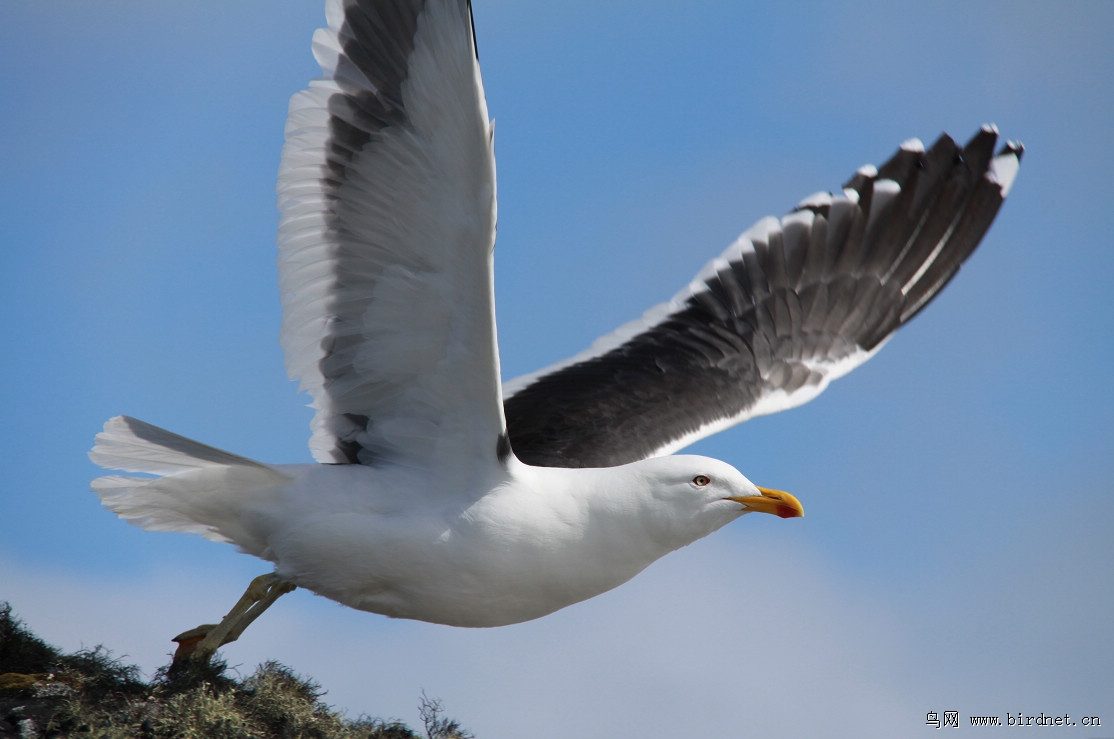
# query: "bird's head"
{"type": "Point", "coordinates": [689, 497]}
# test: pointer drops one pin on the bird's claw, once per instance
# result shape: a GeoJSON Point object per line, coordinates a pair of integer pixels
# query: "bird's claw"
{"type": "Point", "coordinates": [202, 642]}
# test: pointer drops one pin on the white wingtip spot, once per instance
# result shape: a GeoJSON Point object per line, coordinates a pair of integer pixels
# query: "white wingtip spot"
{"type": "Point", "coordinates": [1003, 169]}
{"type": "Point", "coordinates": [990, 128]}
{"type": "Point", "coordinates": [816, 200]}
{"type": "Point", "coordinates": [886, 187]}
{"type": "Point", "coordinates": [868, 170]}
{"type": "Point", "coordinates": [914, 145]}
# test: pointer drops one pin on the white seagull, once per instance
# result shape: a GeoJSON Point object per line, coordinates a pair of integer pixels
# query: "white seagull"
{"type": "Point", "coordinates": [441, 495]}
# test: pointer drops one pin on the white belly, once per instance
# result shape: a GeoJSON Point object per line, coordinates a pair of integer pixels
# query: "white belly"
{"type": "Point", "coordinates": [509, 557]}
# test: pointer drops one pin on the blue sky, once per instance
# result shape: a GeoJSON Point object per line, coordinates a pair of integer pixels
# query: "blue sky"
{"type": "Point", "coordinates": [958, 551]}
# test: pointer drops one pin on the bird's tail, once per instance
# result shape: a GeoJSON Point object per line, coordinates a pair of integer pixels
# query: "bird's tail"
{"type": "Point", "coordinates": [196, 488]}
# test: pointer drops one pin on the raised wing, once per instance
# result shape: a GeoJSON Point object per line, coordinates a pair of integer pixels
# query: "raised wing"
{"type": "Point", "coordinates": [790, 306]}
{"type": "Point", "coordinates": [387, 193]}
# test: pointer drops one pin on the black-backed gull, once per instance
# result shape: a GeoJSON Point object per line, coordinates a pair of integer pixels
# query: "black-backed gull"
{"type": "Point", "coordinates": [441, 494]}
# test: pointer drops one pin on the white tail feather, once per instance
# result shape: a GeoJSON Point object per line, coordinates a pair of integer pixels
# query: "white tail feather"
{"type": "Point", "coordinates": [199, 489]}
{"type": "Point", "coordinates": [136, 446]}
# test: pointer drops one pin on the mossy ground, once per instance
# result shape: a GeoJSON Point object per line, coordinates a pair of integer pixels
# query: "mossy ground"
{"type": "Point", "coordinates": [45, 693]}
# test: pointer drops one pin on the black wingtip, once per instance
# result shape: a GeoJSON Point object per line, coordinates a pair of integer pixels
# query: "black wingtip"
{"type": "Point", "coordinates": [980, 149]}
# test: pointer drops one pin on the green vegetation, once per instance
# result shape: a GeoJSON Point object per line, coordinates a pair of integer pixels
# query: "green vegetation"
{"type": "Point", "coordinates": [45, 693]}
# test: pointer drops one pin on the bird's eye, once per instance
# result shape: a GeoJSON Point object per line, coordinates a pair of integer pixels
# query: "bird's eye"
{"type": "Point", "coordinates": [701, 480]}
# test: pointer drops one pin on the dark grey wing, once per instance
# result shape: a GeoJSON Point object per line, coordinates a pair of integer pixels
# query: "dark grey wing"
{"type": "Point", "coordinates": [789, 307]}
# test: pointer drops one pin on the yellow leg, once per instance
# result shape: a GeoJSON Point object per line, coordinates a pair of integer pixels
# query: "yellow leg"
{"type": "Point", "coordinates": [200, 643]}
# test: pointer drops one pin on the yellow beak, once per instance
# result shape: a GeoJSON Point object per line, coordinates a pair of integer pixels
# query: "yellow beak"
{"type": "Point", "coordinates": [777, 502]}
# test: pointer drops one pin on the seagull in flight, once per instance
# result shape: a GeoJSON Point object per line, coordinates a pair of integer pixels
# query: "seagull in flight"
{"type": "Point", "coordinates": [441, 493]}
